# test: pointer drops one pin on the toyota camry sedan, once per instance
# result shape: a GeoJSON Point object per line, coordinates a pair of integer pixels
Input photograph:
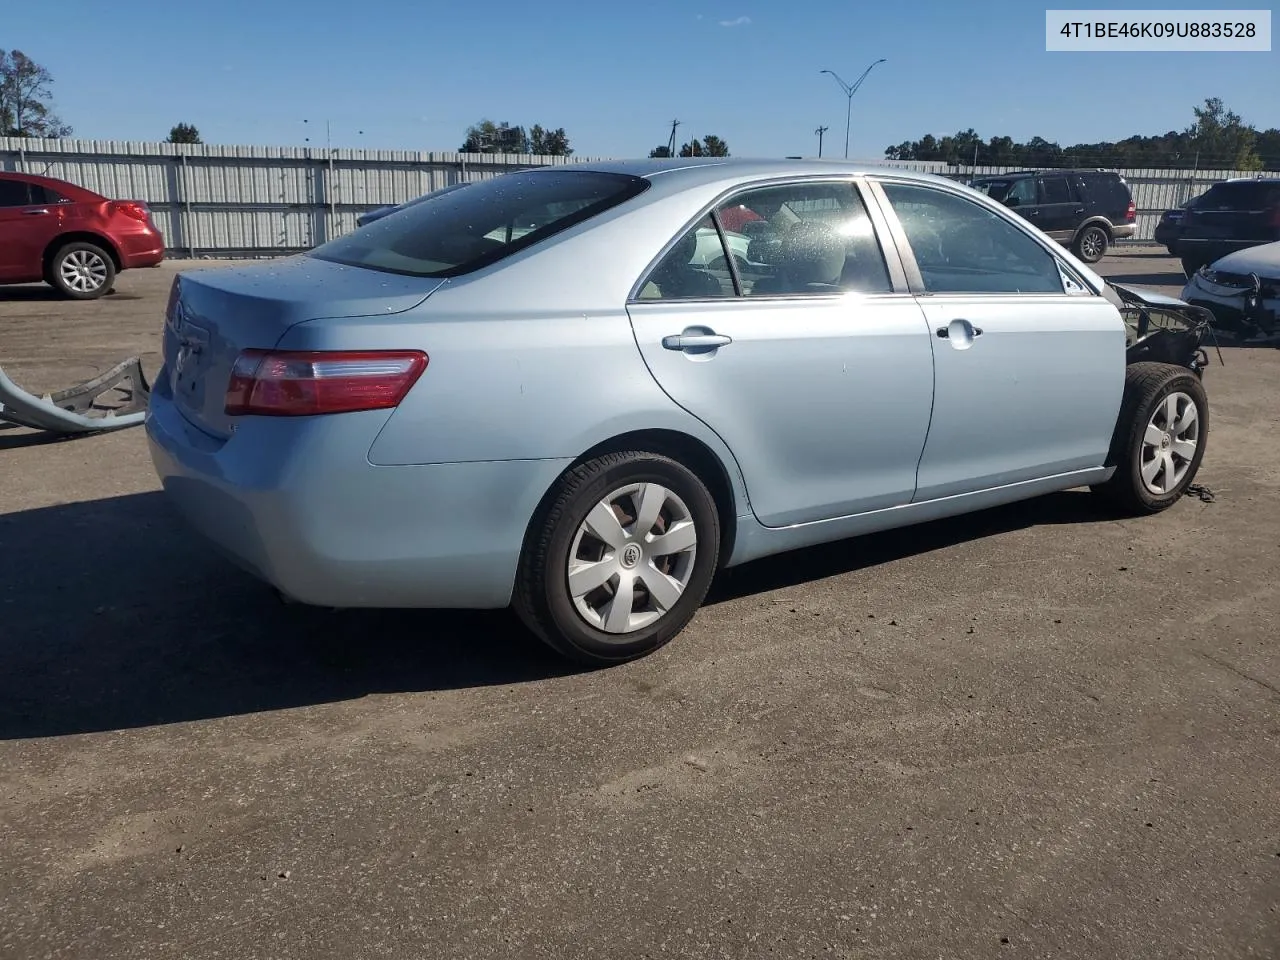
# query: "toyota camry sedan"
{"type": "Point", "coordinates": [581, 391]}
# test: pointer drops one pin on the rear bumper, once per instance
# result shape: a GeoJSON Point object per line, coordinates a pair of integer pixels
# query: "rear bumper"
{"type": "Point", "coordinates": [297, 504]}
{"type": "Point", "coordinates": [143, 249]}
{"type": "Point", "coordinates": [1123, 231]}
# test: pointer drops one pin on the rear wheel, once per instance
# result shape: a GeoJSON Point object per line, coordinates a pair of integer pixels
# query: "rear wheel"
{"type": "Point", "coordinates": [82, 271]}
{"type": "Point", "coordinates": [1091, 244]}
{"type": "Point", "coordinates": [1159, 440]}
{"type": "Point", "coordinates": [1190, 265]}
{"type": "Point", "coordinates": [619, 559]}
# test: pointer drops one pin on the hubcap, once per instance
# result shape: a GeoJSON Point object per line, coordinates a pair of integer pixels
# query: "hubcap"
{"type": "Point", "coordinates": [1169, 444]}
{"type": "Point", "coordinates": [1092, 243]}
{"type": "Point", "coordinates": [83, 271]}
{"type": "Point", "coordinates": [631, 558]}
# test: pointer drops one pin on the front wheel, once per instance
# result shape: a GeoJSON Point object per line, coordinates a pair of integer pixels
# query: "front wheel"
{"type": "Point", "coordinates": [619, 559]}
{"type": "Point", "coordinates": [82, 271]}
{"type": "Point", "coordinates": [1091, 244]}
{"type": "Point", "coordinates": [1159, 439]}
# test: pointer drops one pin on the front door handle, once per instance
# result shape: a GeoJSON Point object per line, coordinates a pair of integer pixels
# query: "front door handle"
{"type": "Point", "coordinates": [687, 341]}
{"type": "Point", "coordinates": [36, 213]}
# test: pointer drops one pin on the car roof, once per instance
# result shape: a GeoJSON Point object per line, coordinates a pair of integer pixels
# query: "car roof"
{"type": "Point", "coordinates": [697, 171]}
{"type": "Point", "coordinates": [1037, 173]}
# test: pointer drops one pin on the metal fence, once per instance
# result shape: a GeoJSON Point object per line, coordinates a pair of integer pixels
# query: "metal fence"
{"type": "Point", "coordinates": [222, 201]}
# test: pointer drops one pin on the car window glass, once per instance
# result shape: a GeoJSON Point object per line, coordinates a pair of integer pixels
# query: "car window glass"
{"type": "Point", "coordinates": [962, 247]}
{"type": "Point", "coordinates": [41, 194]}
{"type": "Point", "coordinates": [1022, 193]}
{"type": "Point", "coordinates": [1248, 195]}
{"type": "Point", "coordinates": [468, 229]}
{"type": "Point", "coordinates": [1054, 190]}
{"type": "Point", "coordinates": [803, 239]}
{"type": "Point", "coordinates": [694, 268]}
{"type": "Point", "coordinates": [13, 193]}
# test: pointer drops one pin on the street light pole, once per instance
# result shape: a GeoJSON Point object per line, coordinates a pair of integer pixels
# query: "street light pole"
{"type": "Point", "coordinates": [820, 131]}
{"type": "Point", "coordinates": [849, 91]}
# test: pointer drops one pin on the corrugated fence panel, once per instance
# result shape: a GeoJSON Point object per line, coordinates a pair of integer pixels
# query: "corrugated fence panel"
{"type": "Point", "coordinates": [226, 200]}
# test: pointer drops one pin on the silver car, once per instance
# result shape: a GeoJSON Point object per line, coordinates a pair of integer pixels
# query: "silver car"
{"type": "Point", "coordinates": [544, 391]}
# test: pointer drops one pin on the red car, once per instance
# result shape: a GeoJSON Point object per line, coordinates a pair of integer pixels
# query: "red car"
{"type": "Point", "coordinates": [71, 238]}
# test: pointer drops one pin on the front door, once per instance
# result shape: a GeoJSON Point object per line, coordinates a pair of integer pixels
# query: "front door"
{"type": "Point", "coordinates": [808, 361]}
{"type": "Point", "coordinates": [1028, 376]}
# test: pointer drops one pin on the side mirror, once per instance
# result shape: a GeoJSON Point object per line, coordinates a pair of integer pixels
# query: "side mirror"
{"type": "Point", "coordinates": [1011, 201]}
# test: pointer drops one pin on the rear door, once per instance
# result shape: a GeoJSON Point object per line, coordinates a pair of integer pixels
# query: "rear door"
{"type": "Point", "coordinates": [804, 351]}
{"type": "Point", "coordinates": [26, 228]}
{"type": "Point", "coordinates": [1029, 369]}
{"type": "Point", "coordinates": [1061, 208]}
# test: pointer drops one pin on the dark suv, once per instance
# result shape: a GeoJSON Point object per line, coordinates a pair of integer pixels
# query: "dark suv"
{"type": "Point", "coordinates": [1231, 215]}
{"type": "Point", "coordinates": [1082, 209]}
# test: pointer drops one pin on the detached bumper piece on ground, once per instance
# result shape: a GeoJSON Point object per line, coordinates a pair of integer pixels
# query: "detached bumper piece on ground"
{"type": "Point", "coordinates": [111, 401]}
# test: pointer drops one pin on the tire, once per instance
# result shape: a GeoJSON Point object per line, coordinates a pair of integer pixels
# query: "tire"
{"type": "Point", "coordinates": [581, 627]}
{"type": "Point", "coordinates": [1151, 392]}
{"type": "Point", "coordinates": [1190, 265]}
{"type": "Point", "coordinates": [82, 271]}
{"type": "Point", "coordinates": [1091, 244]}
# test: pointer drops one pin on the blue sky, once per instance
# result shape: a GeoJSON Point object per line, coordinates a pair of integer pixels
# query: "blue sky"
{"type": "Point", "coordinates": [414, 76]}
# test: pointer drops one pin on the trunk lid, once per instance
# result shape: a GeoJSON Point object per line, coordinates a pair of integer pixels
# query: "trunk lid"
{"type": "Point", "coordinates": [215, 313]}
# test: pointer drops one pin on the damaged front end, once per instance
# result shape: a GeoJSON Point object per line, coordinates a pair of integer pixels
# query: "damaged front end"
{"type": "Point", "coordinates": [1165, 329]}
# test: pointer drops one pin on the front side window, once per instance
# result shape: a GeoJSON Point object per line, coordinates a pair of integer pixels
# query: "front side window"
{"type": "Point", "coordinates": [464, 230]}
{"type": "Point", "coordinates": [962, 247]}
{"type": "Point", "coordinates": [1022, 193]}
{"type": "Point", "coordinates": [14, 193]}
{"type": "Point", "coordinates": [803, 239]}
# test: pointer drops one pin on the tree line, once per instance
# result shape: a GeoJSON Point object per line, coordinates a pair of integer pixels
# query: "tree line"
{"type": "Point", "coordinates": [1217, 139]}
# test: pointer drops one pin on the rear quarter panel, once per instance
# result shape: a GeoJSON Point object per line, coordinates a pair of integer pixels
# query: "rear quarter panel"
{"type": "Point", "coordinates": [534, 358]}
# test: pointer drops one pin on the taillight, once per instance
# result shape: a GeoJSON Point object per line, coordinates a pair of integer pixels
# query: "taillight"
{"type": "Point", "coordinates": [1132, 213]}
{"type": "Point", "coordinates": [132, 209]}
{"type": "Point", "coordinates": [1275, 217]}
{"type": "Point", "coordinates": [306, 383]}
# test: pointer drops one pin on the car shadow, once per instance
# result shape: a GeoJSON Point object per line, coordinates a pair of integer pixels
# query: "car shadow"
{"type": "Point", "coordinates": [112, 617]}
{"type": "Point", "coordinates": [43, 293]}
{"type": "Point", "coordinates": [873, 550]}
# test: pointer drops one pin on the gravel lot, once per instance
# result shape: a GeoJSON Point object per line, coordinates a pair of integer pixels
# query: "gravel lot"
{"type": "Point", "coordinates": [1032, 732]}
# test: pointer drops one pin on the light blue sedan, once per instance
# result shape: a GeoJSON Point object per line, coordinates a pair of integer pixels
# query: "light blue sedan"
{"type": "Point", "coordinates": [545, 391]}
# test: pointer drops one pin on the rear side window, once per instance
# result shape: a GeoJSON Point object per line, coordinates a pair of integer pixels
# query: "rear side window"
{"type": "Point", "coordinates": [45, 195]}
{"type": "Point", "coordinates": [1055, 190]}
{"type": "Point", "coordinates": [465, 230]}
{"type": "Point", "coordinates": [14, 193]}
{"type": "Point", "coordinates": [1251, 195]}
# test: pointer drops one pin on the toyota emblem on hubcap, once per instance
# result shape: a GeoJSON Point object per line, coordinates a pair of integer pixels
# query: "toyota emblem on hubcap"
{"type": "Point", "coordinates": [630, 555]}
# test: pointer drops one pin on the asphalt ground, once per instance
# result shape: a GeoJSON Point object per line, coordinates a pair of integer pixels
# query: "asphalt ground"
{"type": "Point", "coordinates": [1036, 731]}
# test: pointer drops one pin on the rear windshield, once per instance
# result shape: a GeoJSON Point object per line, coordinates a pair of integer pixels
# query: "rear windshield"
{"type": "Point", "coordinates": [464, 230]}
{"type": "Point", "coordinates": [1250, 195]}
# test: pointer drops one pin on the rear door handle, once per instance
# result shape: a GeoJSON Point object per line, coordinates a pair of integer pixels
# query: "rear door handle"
{"type": "Point", "coordinates": [945, 332]}
{"type": "Point", "coordinates": [35, 213]}
{"type": "Point", "coordinates": [686, 341]}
